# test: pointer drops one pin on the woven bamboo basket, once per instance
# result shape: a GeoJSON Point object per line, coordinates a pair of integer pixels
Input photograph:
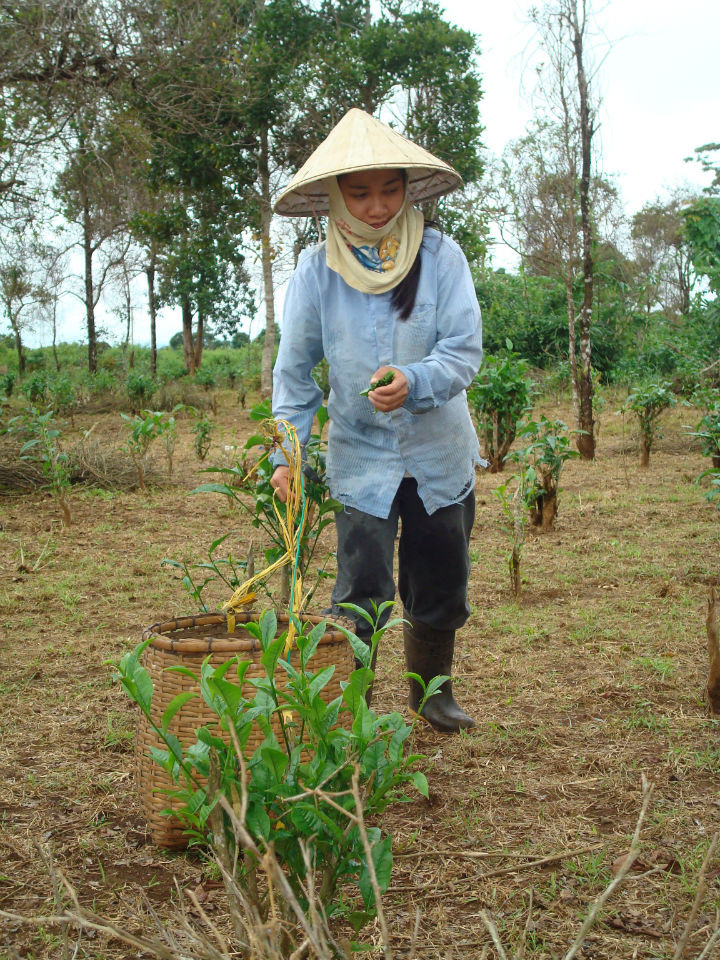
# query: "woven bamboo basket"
{"type": "Point", "coordinates": [186, 642]}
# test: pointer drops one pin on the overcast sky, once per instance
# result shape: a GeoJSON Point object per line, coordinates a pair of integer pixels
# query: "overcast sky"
{"type": "Point", "coordinates": [658, 84]}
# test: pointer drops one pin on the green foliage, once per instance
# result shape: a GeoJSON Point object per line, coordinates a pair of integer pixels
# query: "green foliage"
{"type": "Point", "coordinates": [702, 227]}
{"type": "Point", "coordinates": [205, 378]}
{"type": "Point", "coordinates": [139, 387]}
{"type": "Point", "coordinates": [142, 431]}
{"type": "Point", "coordinates": [34, 388]}
{"type": "Point", "coordinates": [499, 397]}
{"type": "Point", "coordinates": [249, 487]}
{"type": "Point", "coordinates": [647, 403]}
{"type": "Point", "coordinates": [708, 429]}
{"type": "Point", "coordinates": [202, 437]}
{"type": "Point", "coordinates": [512, 496]}
{"type": "Point", "coordinates": [7, 382]}
{"type": "Point", "coordinates": [229, 571]}
{"type": "Point", "coordinates": [62, 394]}
{"type": "Point", "coordinates": [528, 310]}
{"type": "Point", "coordinates": [43, 446]}
{"type": "Point", "coordinates": [546, 451]}
{"type": "Point", "coordinates": [306, 790]}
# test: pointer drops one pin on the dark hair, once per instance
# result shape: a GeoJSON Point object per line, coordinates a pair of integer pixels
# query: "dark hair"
{"type": "Point", "coordinates": [404, 294]}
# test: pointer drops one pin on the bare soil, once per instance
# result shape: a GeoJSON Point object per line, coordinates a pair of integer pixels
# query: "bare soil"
{"type": "Point", "coordinates": [593, 679]}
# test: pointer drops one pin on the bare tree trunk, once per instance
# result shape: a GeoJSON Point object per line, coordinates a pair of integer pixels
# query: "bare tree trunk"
{"type": "Point", "coordinates": [585, 440]}
{"type": "Point", "coordinates": [572, 352]}
{"type": "Point", "coordinates": [199, 337]}
{"type": "Point", "coordinates": [152, 307]}
{"type": "Point", "coordinates": [268, 351]}
{"type": "Point", "coordinates": [15, 324]}
{"type": "Point", "coordinates": [713, 684]}
{"type": "Point", "coordinates": [188, 345]}
{"type": "Point", "coordinates": [89, 286]}
{"type": "Point", "coordinates": [54, 330]}
{"type": "Point", "coordinates": [644, 451]}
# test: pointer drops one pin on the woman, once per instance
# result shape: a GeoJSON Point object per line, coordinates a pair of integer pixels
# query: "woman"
{"type": "Point", "coordinates": [385, 293]}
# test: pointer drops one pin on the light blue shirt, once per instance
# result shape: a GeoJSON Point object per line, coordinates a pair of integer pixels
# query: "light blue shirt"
{"type": "Point", "coordinates": [438, 348]}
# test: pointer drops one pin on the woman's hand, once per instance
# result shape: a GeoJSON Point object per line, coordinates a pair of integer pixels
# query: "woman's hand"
{"type": "Point", "coordinates": [279, 482]}
{"type": "Point", "coordinates": [393, 395]}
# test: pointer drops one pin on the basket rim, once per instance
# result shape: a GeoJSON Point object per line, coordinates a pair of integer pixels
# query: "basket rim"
{"type": "Point", "coordinates": [158, 632]}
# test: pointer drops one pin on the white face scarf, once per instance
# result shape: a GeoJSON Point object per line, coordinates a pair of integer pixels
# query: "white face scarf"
{"type": "Point", "coordinates": [368, 259]}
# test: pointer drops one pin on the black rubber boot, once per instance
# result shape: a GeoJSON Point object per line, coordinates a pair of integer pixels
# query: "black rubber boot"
{"type": "Point", "coordinates": [429, 653]}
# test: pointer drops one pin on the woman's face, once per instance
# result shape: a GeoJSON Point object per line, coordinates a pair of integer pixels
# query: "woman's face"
{"type": "Point", "coordinates": [373, 196]}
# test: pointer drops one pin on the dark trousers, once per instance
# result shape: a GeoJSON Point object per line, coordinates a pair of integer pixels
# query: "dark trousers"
{"type": "Point", "coordinates": [433, 561]}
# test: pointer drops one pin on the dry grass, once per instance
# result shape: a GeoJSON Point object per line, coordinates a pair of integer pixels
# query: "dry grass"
{"type": "Point", "coordinates": [592, 680]}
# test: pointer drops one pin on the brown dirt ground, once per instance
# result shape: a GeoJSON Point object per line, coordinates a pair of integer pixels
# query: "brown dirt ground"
{"type": "Point", "coordinates": [592, 680]}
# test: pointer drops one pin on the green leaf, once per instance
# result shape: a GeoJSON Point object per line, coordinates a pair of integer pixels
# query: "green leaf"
{"type": "Point", "coordinates": [268, 628]}
{"type": "Point", "coordinates": [174, 746]}
{"type": "Point", "coordinates": [311, 643]}
{"type": "Point", "coordinates": [320, 680]}
{"type": "Point", "coordinates": [143, 688]}
{"type": "Point", "coordinates": [172, 708]}
{"type": "Point", "coordinates": [275, 761]}
{"type": "Point", "coordinates": [231, 694]}
{"type": "Point", "coordinates": [421, 783]}
{"type": "Point", "coordinates": [271, 656]}
{"type": "Point", "coordinates": [435, 684]}
{"type": "Point", "coordinates": [257, 821]}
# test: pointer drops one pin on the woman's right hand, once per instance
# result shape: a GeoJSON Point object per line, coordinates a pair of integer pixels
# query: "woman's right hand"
{"type": "Point", "coordinates": [279, 482]}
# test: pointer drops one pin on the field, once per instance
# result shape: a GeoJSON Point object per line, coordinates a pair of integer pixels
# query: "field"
{"type": "Point", "coordinates": [591, 681]}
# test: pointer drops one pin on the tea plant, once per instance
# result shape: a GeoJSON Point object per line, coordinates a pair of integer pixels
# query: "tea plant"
{"type": "Point", "coordinates": [62, 396]}
{"type": "Point", "coordinates": [514, 507]}
{"type": "Point", "coordinates": [303, 793]}
{"type": "Point", "coordinates": [202, 437]}
{"type": "Point", "coordinates": [7, 382]}
{"type": "Point", "coordinates": [229, 571]}
{"type": "Point", "coordinates": [648, 403]}
{"type": "Point", "coordinates": [499, 397]}
{"type": "Point", "coordinates": [43, 446]}
{"type": "Point", "coordinates": [140, 388]}
{"type": "Point", "coordinates": [542, 460]}
{"type": "Point", "coordinates": [249, 487]}
{"type": "Point", "coordinates": [708, 429]}
{"type": "Point", "coordinates": [35, 388]}
{"type": "Point", "coordinates": [143, 430]}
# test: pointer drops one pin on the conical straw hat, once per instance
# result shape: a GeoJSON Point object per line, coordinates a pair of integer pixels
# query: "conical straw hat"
{"type": "Point", "coordinates": [360, 142]}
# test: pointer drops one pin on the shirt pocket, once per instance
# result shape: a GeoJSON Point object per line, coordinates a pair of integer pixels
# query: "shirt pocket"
{"type": "Point", "coordinates": [414, 338]}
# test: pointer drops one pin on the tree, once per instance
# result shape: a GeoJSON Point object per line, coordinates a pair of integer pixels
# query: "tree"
{"type": "Point", "coordinates": [567, 189]}
{"type": "Point", "coordinates": [406, 62]}
{"type": "Point", "coordinates": [662, 255]}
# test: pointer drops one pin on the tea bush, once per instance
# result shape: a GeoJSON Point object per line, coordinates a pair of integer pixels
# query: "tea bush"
{"type": "Point", "coordinates": [499, 397]}
{"type": "Point", "coordinates": [304, 792]}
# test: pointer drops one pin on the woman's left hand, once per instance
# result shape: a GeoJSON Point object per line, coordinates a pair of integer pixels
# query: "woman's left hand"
{"type": "Point", "coordinates": [393, 395]}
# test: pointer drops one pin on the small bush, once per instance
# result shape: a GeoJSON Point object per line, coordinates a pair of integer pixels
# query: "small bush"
{"type": "Point", "coordinates": [499, 397]}
{"type": "Point", "coordinates": [140, 387]}
{"type": "Point", "coordinates": [648, 403]}
{"type": "Point", "coordinates": [35, 388]}
{"type": "Point", "coordinates": [7, 382]}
